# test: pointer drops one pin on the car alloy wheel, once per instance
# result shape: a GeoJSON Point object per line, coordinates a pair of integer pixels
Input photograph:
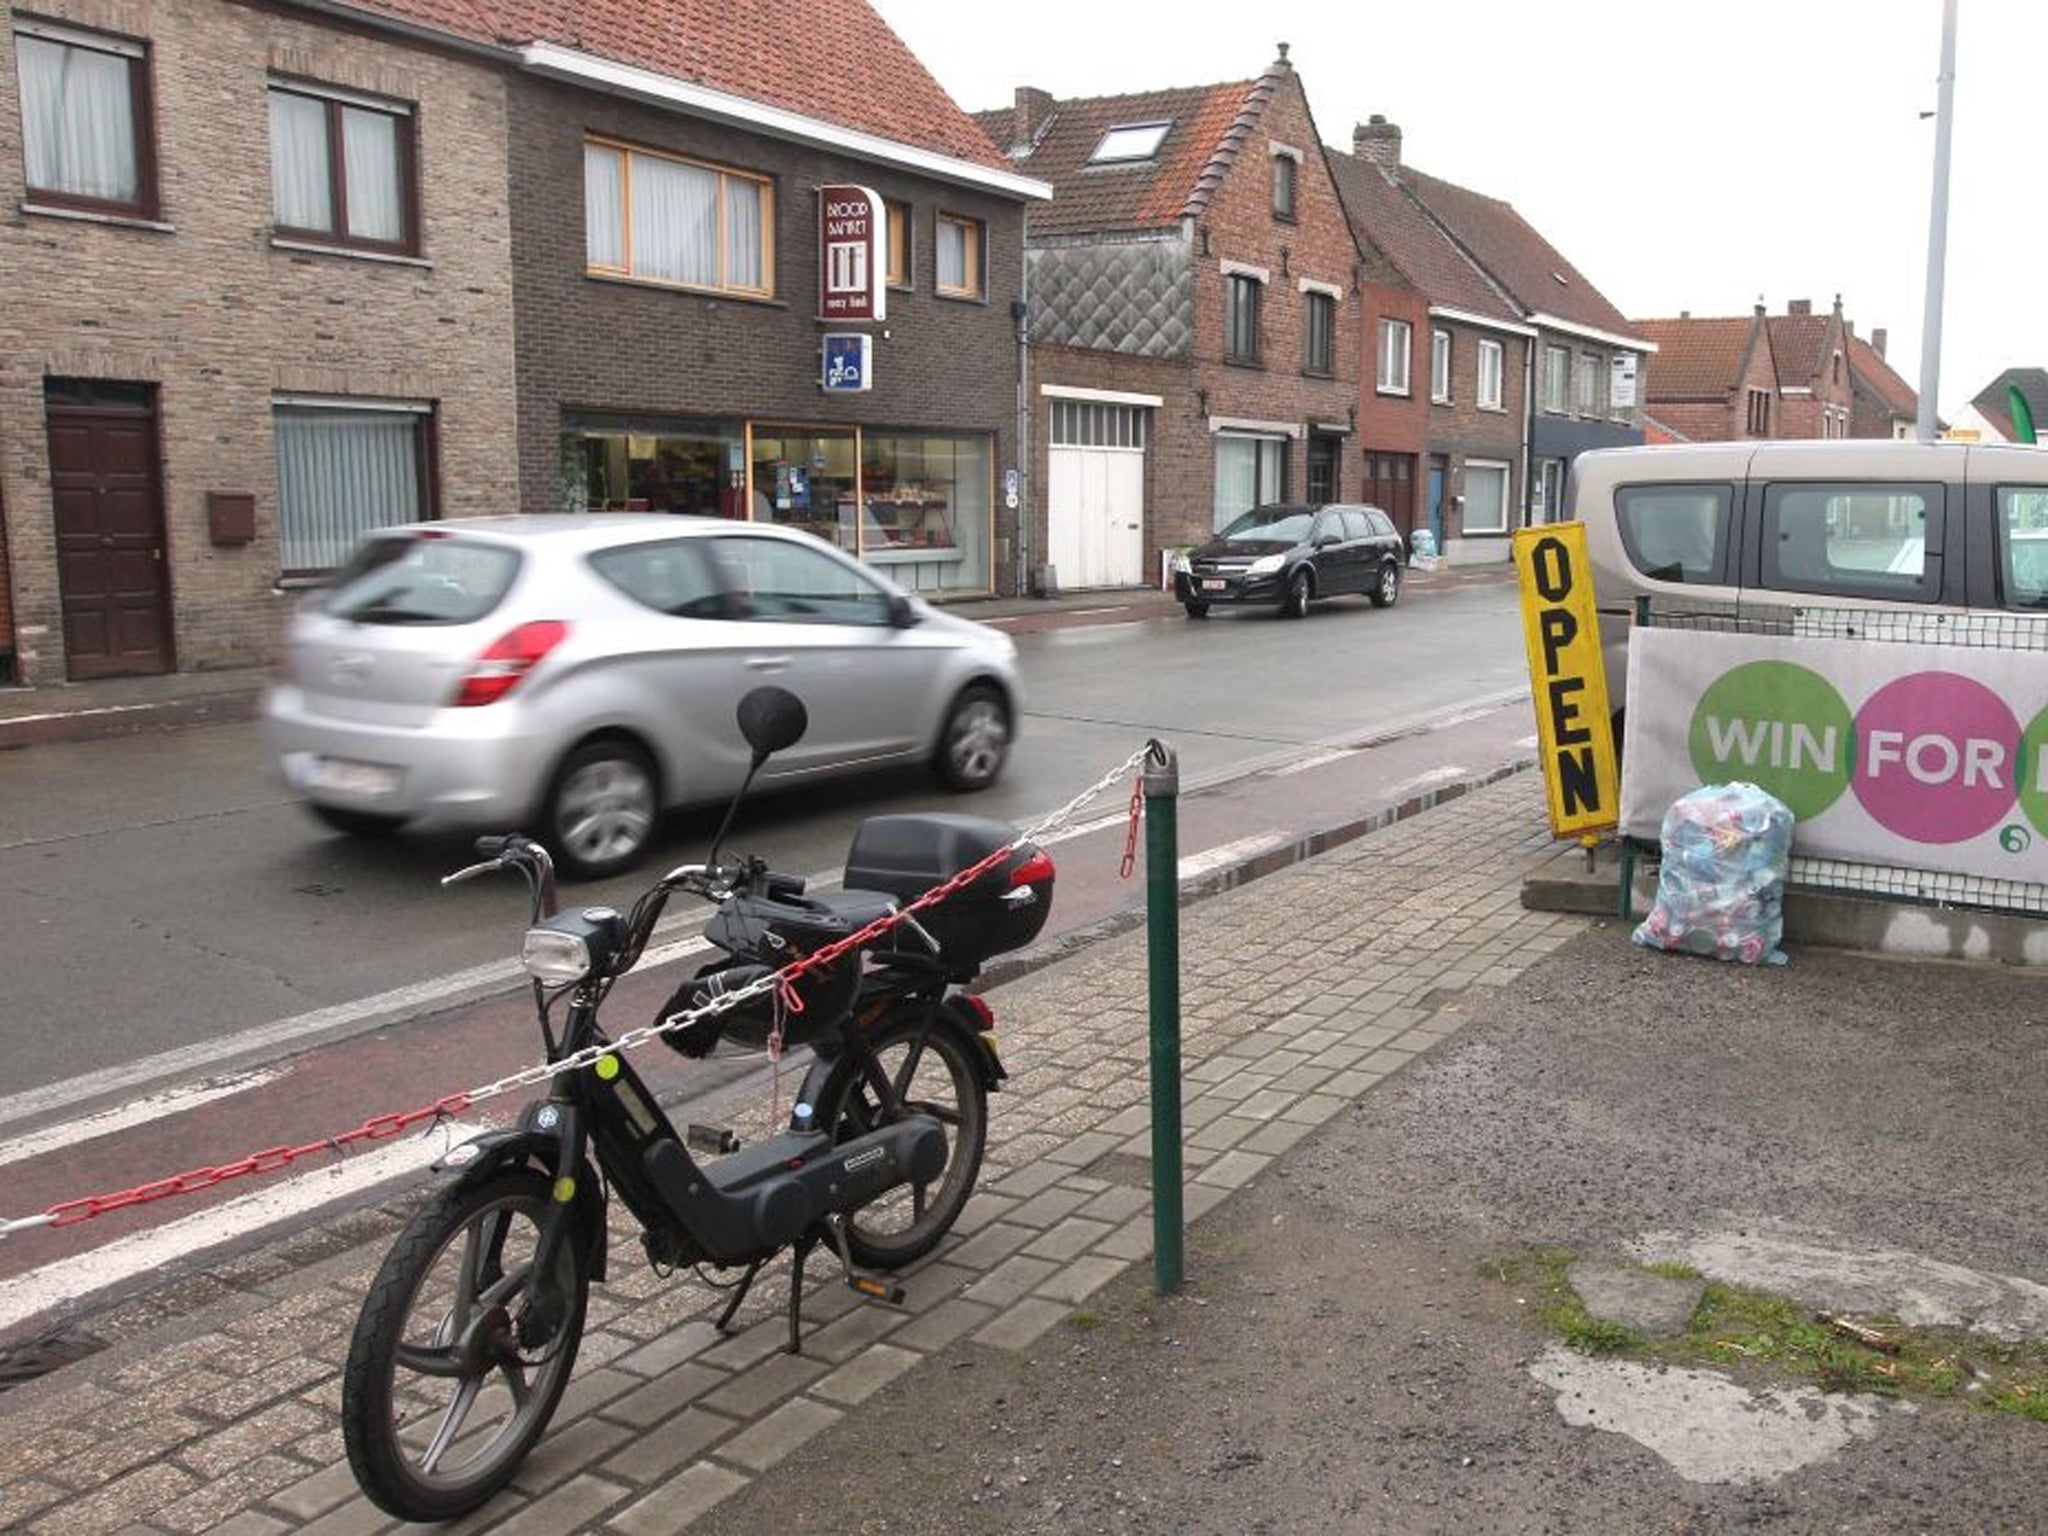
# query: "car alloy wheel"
{"type": "Point", "coordinates": [975, 740]}
{"type": "Point", "coordinates": [1299, 590]}
{"type": "Point", "coordinates": [602, 810]}
{"type": "Point", "coordinates": [1389, 588]}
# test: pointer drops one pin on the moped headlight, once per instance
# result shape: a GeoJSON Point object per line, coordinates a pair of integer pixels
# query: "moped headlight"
{"type": "Point", "coordinates": [1266, 565]}
{"type": "Point", "coordinates": [554, 957]}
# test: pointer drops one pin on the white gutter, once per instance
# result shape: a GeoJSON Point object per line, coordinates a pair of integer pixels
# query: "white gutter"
{"type": "Point", "coordinates": [1573, 328]}
{"type": "Point", "coordinates": [1469, 317]}
{"type": "Point", "coordinates": [579, 68]}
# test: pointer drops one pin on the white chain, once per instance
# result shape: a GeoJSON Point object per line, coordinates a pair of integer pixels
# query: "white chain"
{"type": "Point", "coordinates": [761, 986]}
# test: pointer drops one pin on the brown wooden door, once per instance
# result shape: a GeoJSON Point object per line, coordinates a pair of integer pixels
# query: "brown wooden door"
{"type": "Point", "coordinates": [1390, 486]}
{"type": "Point", "coordinates": [107, 494]}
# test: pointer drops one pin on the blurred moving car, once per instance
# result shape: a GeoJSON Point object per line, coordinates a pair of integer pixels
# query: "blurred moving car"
{"type": "Point", "coordinates": [1289, 555]}
{"type": "Point", "coordinates": [578, 675]}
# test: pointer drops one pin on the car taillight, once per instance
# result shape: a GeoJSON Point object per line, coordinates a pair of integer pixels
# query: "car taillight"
{"type": "Point", "coordinates": [1034, 869]}
{"type": "Point", "coordinates": [511, 656]}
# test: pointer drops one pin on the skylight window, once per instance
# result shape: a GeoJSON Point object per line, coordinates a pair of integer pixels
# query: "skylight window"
{"type": "Point", "coordinates": [1129, 141]}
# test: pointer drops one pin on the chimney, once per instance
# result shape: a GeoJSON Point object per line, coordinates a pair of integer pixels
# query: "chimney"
{"type": "Point", "coordinates": [1379, 141]}
{"type": "Point", "coordinates": [1799, 307]}
{"type": "Point", "coordinates": [1877, 341]}
{"type": "Point", "coordinates": [1685, 314]}
{"type": "Point", "coordinates": [1759, 309]}
{"type": "Point", "coordinates": [1034, 110]}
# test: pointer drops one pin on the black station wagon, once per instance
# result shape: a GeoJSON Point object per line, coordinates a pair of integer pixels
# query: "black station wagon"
{"type": "Point", "coordinates": [1288, 555]}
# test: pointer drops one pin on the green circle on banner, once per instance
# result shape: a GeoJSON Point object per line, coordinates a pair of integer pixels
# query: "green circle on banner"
{"type": "Point", "coordinates": [1780, 726]}
{"type": "Point", "coordinates": [2027, 772]}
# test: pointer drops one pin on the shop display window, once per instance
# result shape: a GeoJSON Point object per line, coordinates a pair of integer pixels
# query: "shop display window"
{"type": "Point", "coordinates": [926, 501]}
{"type": "Point", "coordinates": [639, 464]}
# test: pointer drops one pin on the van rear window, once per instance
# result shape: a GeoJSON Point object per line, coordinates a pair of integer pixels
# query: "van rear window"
{"type": "Point", "coordinates": [2023, 544]}
{"type": "Point", "coordinates": [1676, 532]}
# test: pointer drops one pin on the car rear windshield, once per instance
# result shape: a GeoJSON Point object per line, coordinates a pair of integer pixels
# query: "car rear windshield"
{"type": "Point", "coordinates": [1262, 525]}
{"type": "Point", "coordinates": [422, 578]}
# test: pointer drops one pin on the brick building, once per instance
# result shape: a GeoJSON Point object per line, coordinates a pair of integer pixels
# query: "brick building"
{"type": "Point", "coordinates": [259, 274]}
{"type": "Point", "coordinates": [643, 385]}
{"type": "Point", "coordinates": [1989, 414]}
{"type": "Point", "coordinates": [1795, 375]}
{"type": "Point", "coordinates": [1465, 409]}
{"type": "Point", "coordinates": [1194, 293]}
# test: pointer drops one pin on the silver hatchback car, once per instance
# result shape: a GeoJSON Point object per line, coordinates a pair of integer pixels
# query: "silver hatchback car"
{"type": "Point", "coordinates": [577, 675]}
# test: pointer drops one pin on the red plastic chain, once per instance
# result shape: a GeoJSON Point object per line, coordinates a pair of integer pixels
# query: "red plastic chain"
{"type": "Point", "coordinates": [1131, 833]}
{"type": "Point", "coordinates": [70, 1212]}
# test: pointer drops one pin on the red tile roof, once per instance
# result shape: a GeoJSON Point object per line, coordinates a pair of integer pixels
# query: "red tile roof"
{"type": "Point", "coordinates": [1208, 123]}
{"type": "Point", "coordinates": [1521, 260]}
{"type": "Point", "coordinates": [1797, 341]}
{"type": "Point", "coordinates": [1882, 380]}
{"type": "Point", "coordinates": [833, 60]}
{"type": "Point", "coordinates": [1387, 217]}
{"type": "Point", "coordinates": [1697, 359]}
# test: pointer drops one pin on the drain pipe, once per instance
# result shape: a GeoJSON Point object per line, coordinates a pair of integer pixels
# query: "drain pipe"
{"type": "Point", "coordinates": [1020, 312]}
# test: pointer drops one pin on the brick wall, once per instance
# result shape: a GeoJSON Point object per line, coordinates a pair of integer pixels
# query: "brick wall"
{"type": "Point", "coordinates": [588, 343]}
{"type": "Point", "coordinates": [220, 319]}
{"type": "Point", "coordinates": [1463, 430]}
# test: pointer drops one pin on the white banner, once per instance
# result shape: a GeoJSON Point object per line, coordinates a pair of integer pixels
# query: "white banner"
{"type": "Point", "coordinates": [1916, 756]}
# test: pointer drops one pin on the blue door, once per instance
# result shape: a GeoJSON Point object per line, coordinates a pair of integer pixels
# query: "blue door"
{"type": "Point", "coordinates": [1436, 502]}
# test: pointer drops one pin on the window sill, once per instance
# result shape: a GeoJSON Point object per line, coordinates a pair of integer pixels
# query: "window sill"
{"type": "Point", "coordinates": [1497, 410]}
{"type": "Point", "coordinates": [1244, 362]}
{"type": "Point", "coordinates": [714, 295]}
{"type": "Point", "coordinates": [962, 297]}
{"type": "Point", "coordinates": [1318, 373]}
{"type": "Point", "coordinates": [1400, 394]}
{"type": "Point", "coordinates": [348, 253]}
{"type": "Point", "coordinates": [88, 216]}
{"type": "Point", "coordinates": [1441, 400]}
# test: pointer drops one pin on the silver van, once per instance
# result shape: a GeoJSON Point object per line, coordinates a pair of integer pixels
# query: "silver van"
{"type": "Point", "coordinates": [1763, 528]}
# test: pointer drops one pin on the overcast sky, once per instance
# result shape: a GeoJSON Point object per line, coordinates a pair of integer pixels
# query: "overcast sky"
{"type": "Point", "coordinates": [1684, 157]}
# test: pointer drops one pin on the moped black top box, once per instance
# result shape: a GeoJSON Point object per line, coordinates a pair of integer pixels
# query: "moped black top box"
{"type": "Point", "coordinates": [1004, 909]}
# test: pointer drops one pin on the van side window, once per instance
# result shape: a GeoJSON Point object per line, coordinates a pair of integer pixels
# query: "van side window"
{"type": "Point", "coordinates": [1875, 541]}
{"type": "Point", "coordinates": [2023, 545]}
{"type": "Point", "coordinates": [1675, 532]}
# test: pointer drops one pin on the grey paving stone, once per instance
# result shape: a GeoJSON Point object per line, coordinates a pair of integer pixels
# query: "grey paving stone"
{"type": "Point", "coordinates": [570, 1507]}
{"type": "Point", "coordinates": [317, 1494]}
{"type": "Point", "coordinates": [865, 1374]}
{"type": "Point", "coordinates": [749, 1345]}
{"type": "Point", "coordinates": [672, 1348]}
{"type": "Point", "coordinates": [760, 1386]}
{"type": "Point", "coordinates": [1071, 1237]}
{"type": "Point", "coordinates": [1274, 1138]}
{"type": "Point", "coordinates": [853, 1333]}
{"type": "Point", "coordinates": [1023, 1323]}
{"type": "Point", "coordinates": [762, 1445]}
{"type": "Point", "coordinates": [1223, 1132]}
{"type": "Point", "coordinates": [1117, 1203]}
{"type": "Point", "coordinates": [564, 1452]}
{"type": "Point", "coordinates": [1080, 1151]}
{"type": "Point", "coordinates": [1082, 1278]}
{"type": "Point", "coordinates": [1014, 1277]}
{"type": "Point", "coordinates": [1313, 1110]}
{"type": "Point", "coordinates": [985, 1249]}
{"type": "Point", "coordinates": [588, 1393]}
{"type": "Point", "coordinates": [1029, 1180]}
{"type": "Point", "coordinates": [678, 1503]}
{"type": "Point", "coordinates": [1048, 1206]}
{"type": "Point", "coordinates": [1233, 1170]}
{"type": "Point", "coordinates": [942, 1325]}
{"type": "Point", "coordinates": [665, 1394]}
{"type": "Point", "coordinates": [673, 1443]}
{"type": "Point", "coordinates": [1132, 1240]}
{"type": "Point", "coordinates": [359, 1517]}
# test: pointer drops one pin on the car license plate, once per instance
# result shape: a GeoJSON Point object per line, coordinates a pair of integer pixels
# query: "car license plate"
{"type": "Point", "coordinates": [349, 778]}
{"type": "Point", "coordinates": [1215, 586]}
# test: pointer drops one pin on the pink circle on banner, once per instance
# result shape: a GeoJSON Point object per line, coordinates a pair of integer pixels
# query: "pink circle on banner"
{"type": "Point", "coordinates": [1936, 757]}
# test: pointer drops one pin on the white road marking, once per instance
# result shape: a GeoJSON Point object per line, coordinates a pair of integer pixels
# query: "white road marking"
{"type": "Point", "coordinates": [72, 714]}
{"type": "Point", "coordinates": [1527, 743]}
{"type": "Point", "coordinates": [1314, 760]}
{"type": "Point", "coordinates": [67, 1280]}
{"type": "Point", "coordinates": [1443, 775]}
{"type": "Point", "coordinates": [157, 1106]}
{"type": "Point", "coordinates": [1195, 865]}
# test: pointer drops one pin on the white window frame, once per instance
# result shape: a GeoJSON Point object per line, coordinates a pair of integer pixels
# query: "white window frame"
{"type": "Point", "coordinates": [1557, 384]}
{"type": "Point", "coordinates": [1490, 399]}
{"type": "Point", "coordinates": [1393, 380]}
{"type": "Point", "coordinates": [1586, 384]}
{"type": "Point", "coordinates": [1507, 497]}
{"type": "Point", "coordinates": [1440, 366]}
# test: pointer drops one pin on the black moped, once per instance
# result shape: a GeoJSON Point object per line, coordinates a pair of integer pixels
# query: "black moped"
{"type": "Point", "coordinates": [470, 1330]}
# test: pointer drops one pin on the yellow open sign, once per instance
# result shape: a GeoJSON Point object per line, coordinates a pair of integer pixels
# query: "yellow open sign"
{"type": "Point", "coordinates": [1567, 677]}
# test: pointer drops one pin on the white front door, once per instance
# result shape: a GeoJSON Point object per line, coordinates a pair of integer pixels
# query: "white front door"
{"type": "Point", "coordinates": [1095, 495]}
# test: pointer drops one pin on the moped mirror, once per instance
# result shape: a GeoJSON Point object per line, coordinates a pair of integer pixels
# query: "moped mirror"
{"type": "Point", "coordinates": [772, 720]}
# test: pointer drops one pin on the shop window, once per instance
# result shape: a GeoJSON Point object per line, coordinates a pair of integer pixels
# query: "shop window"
{"type": "Point", "coordinates": [653, 464]}
{"type": "Point", "coordinates": [959, 274]}
{"type": "Point", "coordinates": [341, 169]}
{"type": "Point", "coordinates": [926, 503]}
{"type": "Point", "coordinates": [808, 478]}
{"type": "Point", "coordinates": [1250, 471]}
{"type": "Point", "coordinates": [85, 118]}
{"type": "Point", "coordinates": [344, 470]}
{"type": "Point", "coordinates": [661, 219]}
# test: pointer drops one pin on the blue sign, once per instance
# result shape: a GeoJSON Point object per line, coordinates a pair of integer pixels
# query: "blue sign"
{"type": "Point", "coordinates": [849, 361]}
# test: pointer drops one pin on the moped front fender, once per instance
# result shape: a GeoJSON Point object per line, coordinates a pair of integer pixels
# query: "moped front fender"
{"type": "Point", "coordinates": [530, 1144]}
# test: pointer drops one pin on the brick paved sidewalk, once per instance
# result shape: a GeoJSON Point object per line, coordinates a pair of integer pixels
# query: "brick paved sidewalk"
{"type": "Point", "coordinates": [1300, 992]}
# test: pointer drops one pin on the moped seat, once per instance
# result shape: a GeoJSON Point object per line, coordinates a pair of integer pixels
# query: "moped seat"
{"type": "Point", "coordinates": [855, 908]}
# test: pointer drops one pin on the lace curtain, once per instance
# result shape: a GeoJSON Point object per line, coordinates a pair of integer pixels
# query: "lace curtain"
{"type": "Point", "coordinates": [78, 114]}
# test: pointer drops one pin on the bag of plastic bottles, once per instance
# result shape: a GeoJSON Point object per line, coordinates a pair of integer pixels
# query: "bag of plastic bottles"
{"type": "Point", "coordinates": [1721, 887]}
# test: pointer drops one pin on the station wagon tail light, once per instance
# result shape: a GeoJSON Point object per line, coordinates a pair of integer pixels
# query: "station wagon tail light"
{"type": "Point", "coordinates": [511, 656]}
{"type": "Point", "coordinates": [1034, 869]}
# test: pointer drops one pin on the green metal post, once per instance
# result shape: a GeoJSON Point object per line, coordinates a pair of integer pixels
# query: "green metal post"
{"type": "Point", "coordinates": [1162, 933]}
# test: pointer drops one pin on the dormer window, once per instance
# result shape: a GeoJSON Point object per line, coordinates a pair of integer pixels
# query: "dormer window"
{"type": "Point", "coordinates": [1129, 141]}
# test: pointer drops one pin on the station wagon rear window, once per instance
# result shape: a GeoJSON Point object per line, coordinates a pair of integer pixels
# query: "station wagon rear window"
{"type": "Point", "coordinates": [2023, 545]}
{"type": "Point", "coordinates": [1676, 532]}
{"type": "Point", "coordinates": [1864, 540]}
{"type": "Point", "coordinates": [421, 578]}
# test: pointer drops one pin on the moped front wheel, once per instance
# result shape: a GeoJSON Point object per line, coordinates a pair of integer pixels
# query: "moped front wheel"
{"type": "Point", "coordinates": [453, 1373]}
{"type": "Point", "coordinates": [934, 1072]}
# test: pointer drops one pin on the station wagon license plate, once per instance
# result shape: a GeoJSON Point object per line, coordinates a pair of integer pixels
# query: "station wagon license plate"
{"type": "Point", "coordinates": [1215, 586]}
{"type": "Point", "coordinates": [344, 777]}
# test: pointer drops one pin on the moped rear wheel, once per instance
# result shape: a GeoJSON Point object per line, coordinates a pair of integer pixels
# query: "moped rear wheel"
{"type": "Point", "coordinates": [450, 1380]}
{"type": "Point", "coordinates": [934, 1072]}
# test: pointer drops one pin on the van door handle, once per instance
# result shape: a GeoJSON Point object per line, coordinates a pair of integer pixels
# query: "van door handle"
{"type": "Point", "coordinates": [767, 663]}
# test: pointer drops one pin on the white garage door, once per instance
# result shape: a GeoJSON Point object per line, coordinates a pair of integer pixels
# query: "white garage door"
{"type": "Point", "coordinates": [1096, 494]}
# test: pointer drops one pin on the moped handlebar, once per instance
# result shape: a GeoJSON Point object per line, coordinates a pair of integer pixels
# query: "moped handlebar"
{"type": "Point", "coordinates": [514, 851]}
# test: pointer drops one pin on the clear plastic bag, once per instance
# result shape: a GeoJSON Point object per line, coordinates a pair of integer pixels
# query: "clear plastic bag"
{"type": "Point", "coordinates": [1721, 886]}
